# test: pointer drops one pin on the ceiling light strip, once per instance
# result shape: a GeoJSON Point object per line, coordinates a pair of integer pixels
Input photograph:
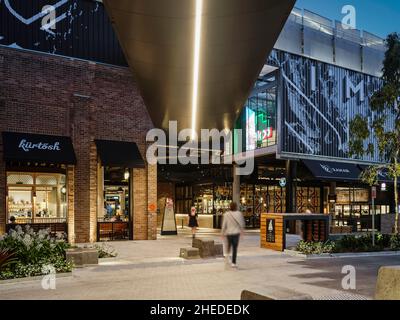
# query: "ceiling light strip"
{"type": "Point", "coordinates": [196, 65]}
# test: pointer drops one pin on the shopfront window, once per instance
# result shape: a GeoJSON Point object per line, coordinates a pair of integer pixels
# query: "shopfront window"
{"type": "Point", "coordinates": [353, 209]}
{"type": "Point", "coordinates": [116, 194]}
{"type": "Point", "coordinates": [35, 197]}
{"type": "Point", "coordinates": [258, 118]}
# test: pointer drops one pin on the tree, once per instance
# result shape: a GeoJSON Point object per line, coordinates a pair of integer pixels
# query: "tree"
{"type": "Point", "coordinates": [384, 102]}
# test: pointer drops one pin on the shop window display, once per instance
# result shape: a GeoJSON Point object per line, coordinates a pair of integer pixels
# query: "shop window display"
{"type": "Point", "coordinates": [36, 197]}
{"type": "Point", "coordinates": [353, 209]}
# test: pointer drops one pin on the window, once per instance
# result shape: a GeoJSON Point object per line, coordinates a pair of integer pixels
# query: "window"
{"type": "Point", "coordinates": [35, 197]}
{"type": "Point", "coordinates": [258, 118]}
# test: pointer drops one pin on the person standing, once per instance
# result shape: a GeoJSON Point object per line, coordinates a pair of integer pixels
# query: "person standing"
{"type": "Point", "coordinates": [193, 221]}
{"type": "Point", "coordinates": [232, 228]}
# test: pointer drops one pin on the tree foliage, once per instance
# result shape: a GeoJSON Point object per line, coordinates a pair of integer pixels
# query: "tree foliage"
{"type": "Point", "coordinates": [384, 102]}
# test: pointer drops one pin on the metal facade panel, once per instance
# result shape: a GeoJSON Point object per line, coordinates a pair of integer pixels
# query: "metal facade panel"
{"type": "Point", "coordinates": [348, 54]}
{"type": "Point", "coordinates": [318, 45]}
{"type": "Point", "coordinates": [318, 102]}
{"type": "Point", "coordinates": [82, 29]}
{"type": "Point", "coordinates": [373, 61]}
{"type": "Point", "coordinates": [290, 39]}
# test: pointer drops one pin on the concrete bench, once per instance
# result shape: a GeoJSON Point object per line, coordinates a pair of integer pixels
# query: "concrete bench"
{"type": "Point", "coordinates": [273, 293]}
{"type": "Point", "coordinates": [189, 253]}
{"type": "Point", "coordinates": [388, 283]}
{"type": "Point", "coordinates": [81, 257]}
{"type": "Point", "coordinates": [205, 246]}
{"type": "Point", "coordinates": [218, 249]}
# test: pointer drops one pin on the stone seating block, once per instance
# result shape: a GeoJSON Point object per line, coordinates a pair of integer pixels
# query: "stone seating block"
{"type": "Point", "coordinates": [219, 249]}
{"type": "Point", "coordinates": [189, 253]}
{"type": "Point", "coordinates": [90, 256]}
{"type": "Point", "coordinates": [75, 256]}
{"type": "Point", "coordinates": [81, 257]}
{"type": "Point", "coordinates": [388, 283]}
{"type": "Point", "coordinates": [273, 293]}
{"type": "Point", "coordinates": [205, 246]}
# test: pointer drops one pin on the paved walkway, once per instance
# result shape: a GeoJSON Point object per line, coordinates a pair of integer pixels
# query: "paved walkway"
{"type": "Point", "coordinates": [152, 270]}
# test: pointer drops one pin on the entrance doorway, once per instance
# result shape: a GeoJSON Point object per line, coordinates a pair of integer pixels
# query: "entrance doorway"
{"type": "Point", "coordinates": [114, 221]}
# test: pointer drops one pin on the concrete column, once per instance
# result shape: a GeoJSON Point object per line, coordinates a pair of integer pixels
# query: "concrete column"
{"type": "Point", "coordinates": [235, 186]}
{"type": "Point", "coordinates": [291, 174]}
{"type": "Point", "coordinates": [332, 191]}
{"type": "Point", "coordinates": [71, 203]}
{"type": "Point", "coordinates": [3, 198]}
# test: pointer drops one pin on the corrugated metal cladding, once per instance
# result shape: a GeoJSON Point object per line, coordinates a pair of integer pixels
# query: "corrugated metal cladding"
{"type": "Point", "coordinates": [82, 29]}
{"type": "Point", "coordinates": [318, 102]}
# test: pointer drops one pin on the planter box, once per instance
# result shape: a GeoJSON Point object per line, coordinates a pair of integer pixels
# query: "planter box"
{"type": "Point", "coordinates": [294, 253]}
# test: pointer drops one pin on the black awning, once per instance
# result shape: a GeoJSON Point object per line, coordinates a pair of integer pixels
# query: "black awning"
{"type": "Point", "coordinates": [333, 170]}
{"type": "Point", "coordinates": [38, 148]}
{"type": "Point", "coordinates": [119, 154]}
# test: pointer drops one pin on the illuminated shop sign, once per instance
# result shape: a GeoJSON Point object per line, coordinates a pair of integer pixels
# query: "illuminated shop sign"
{"type": "Point", "coordinates": [259, 130]}
{"type": "Point", "coordinates": [265, 135]}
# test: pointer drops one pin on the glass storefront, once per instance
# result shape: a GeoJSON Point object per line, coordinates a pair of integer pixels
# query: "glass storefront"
{"type": "Point", "coordinates": [114, 219]}
{"type": "Point", "coordinates": [36, 197]}
{"type": "Point", "coordinates": [353, 209]}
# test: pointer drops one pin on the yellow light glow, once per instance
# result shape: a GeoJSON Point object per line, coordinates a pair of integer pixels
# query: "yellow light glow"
{"type": "Point", "coordinates": [196, 64]}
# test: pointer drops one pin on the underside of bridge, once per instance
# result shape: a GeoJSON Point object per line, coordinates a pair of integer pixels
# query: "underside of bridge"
{"type": "Point", "coordinates": [196, 61]}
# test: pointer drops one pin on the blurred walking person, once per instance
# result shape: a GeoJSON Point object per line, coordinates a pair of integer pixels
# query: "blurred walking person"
{"type": "Point", "coordinates": [232, 228]}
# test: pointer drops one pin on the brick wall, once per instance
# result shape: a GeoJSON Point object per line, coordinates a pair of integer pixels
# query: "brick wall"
{"type": "Point", "coordinates": [52, 95]}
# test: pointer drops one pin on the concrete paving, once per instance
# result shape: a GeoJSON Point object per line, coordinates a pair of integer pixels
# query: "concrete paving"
{"type": "Point", "coordinates": [152, 270]}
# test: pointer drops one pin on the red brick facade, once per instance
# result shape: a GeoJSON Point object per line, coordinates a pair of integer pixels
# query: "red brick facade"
{"type": "Point", "coordinates": [44, 94]}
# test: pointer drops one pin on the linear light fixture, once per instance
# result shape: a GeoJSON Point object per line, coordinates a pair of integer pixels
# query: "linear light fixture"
{"type": "Point", "coordinates": [196, 64]}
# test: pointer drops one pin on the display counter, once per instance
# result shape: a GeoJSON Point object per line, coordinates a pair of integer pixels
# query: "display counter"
{"type": "Point", "coordinates": [204, 220]}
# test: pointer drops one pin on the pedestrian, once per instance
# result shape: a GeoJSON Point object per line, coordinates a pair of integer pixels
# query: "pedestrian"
{"type": "Point", "coordinates": [232, 228]}
{"type": "Point", "coordinates": [193, 221]}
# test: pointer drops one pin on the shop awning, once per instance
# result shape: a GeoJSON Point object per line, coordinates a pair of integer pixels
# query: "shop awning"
{"type": "Point", "coordinates": [119, 154]}
{"type": "Point", "coordinates": [333, 170]}
{"type": "Point", "coordinates": [38, 148]}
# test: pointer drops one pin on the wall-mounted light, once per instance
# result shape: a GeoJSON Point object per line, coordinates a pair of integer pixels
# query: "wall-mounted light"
{"type": "Point", "coordinates": [126, 175]}
{"type": "Point", "coordinates": [34, 195]}
{"type": "Point", "coordinates": [63, 190]}
{"type": "Point", "coordinates": [383, 186]}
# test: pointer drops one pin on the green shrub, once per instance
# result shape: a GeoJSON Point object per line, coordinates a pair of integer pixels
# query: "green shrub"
{"type": "Point", "coordinates": [395, 242]}
{"type": "Point", "coordinates": [306, 247]}
{"type": "Point", "coordinates": [7, 257]}
{"type": "Point", "coordinates": [33, 251]}
{"type": "Point", "coordinates": [362, 243]}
